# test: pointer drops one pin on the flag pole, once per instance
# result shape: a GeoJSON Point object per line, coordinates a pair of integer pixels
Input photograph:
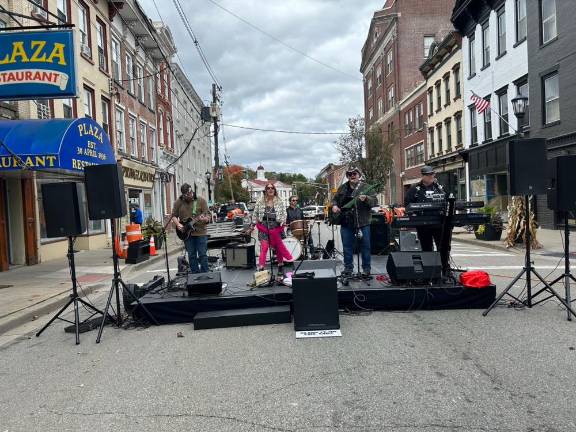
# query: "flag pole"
{"type": "Point", "coordinates": [494, 111]}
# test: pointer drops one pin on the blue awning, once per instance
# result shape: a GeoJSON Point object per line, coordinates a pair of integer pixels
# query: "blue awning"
{"type": "Point", "coordinates": [54, 144]}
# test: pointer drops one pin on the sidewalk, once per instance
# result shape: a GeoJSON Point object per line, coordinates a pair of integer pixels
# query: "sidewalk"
{"type": "Point", "coordinates": [30, 291]}
{"type": "Point", "coordinates": [551, 240]}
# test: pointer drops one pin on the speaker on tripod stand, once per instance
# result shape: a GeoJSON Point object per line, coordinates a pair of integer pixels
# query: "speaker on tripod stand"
{"type": "Point", "coordinates": [64, 216]}
{"type": "Point", "coordinates": [527, 177]}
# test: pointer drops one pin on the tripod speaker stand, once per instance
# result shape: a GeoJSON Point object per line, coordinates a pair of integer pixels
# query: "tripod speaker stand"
{"type": "Point", "coordinates": [74, 299]}
{"type": "Point", "coordinates": [529, 270]}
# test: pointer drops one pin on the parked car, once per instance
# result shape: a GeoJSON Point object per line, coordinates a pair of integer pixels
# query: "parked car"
{"type": "Point", "coordinates": [313, 212]}
{"type": "Point", "coordinates": [227, 212]}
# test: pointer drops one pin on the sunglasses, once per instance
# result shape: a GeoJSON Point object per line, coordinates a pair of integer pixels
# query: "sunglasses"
{"type": "Point", "coordinates": [350, 174]}
{"type": "Point", "coordinates": [271, 188]}
{"type": "Point", "coordinates": [293, 200]}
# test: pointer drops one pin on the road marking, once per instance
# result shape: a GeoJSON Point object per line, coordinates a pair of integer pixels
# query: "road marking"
{"type": "Point", "coordinates": [515, 267]}
{"type": "Point", "coordinates": [480, 255]}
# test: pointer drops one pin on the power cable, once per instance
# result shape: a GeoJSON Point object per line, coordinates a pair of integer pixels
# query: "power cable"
{"type": "Point", "coordinates": [284, 131]}
{"type": "Point", "coordinates": [188, 27]}
{"type": "Point", "coordinates": [281, 42]}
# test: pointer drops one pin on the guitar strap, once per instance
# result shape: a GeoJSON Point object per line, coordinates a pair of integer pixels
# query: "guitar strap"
{"type": "Point", "coordinates": [194, 207]}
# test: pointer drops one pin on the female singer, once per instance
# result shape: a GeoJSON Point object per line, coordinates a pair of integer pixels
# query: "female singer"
{"type": "Point", "coordinates": [270, 218]}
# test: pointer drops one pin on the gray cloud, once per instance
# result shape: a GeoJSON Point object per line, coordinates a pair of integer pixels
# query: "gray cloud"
{"type": "Point", "coordinates": [269, 86]}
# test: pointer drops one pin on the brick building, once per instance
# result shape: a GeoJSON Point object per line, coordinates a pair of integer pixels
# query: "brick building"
{"type": "Point", "coordinates": [397, 43]}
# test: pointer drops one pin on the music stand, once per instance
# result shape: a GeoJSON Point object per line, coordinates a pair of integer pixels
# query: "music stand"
{"type": "Point", "coordinates": [529, 270]}
{"type": "Point", "coordinates": [74, 299]}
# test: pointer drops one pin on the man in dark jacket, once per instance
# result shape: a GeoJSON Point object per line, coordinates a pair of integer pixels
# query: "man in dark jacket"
{"type": "Point", "coordinates": [427, 190]}
{"type": "Point", "coordinates": [354, 205]}
{"type": "Point", "coordinates": [294, 213]}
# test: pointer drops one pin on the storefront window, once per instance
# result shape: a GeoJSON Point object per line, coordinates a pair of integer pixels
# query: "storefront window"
{"type": "Point", "coordinates": [492, 189]}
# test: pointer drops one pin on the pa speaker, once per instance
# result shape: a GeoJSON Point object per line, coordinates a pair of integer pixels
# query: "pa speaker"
{"type": "Point", "coordinates": [405, 267]}
{"type": "Point", "coordinates": [315, 301]}
{"type": "Point", "coordinates": [561, 181]}
{"type": "Point", "coordinates": [105, 191]}
{"type": "Point", "coordinates": [526, 161]}
{"type": "Point", "coordinates": [64, 213]}
{"type": "Point", "coordinates": [379, 236]}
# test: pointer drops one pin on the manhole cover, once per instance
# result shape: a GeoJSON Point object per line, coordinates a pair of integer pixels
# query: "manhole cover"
{"type": "Point", "coordinates": [6, 286]}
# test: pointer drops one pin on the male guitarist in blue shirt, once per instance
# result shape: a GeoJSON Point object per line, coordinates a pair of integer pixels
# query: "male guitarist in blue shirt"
{"type": "Point", "coordinates": [190, 216]}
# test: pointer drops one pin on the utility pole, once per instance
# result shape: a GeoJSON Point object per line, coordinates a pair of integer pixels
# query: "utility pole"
{"type": "Point", "coordinates": [215, 119]}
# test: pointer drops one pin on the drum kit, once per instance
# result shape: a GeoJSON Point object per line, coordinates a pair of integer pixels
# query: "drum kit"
{"type": "Point", "coordinates": [296, 243]}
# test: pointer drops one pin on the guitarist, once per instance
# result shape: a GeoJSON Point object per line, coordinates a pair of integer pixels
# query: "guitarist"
{"type": "Point", "coordinates": [353, 205]}
{"type": "Point", "coordinates": [187, 207]}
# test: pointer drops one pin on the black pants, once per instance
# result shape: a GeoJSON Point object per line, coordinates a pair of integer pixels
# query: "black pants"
{"type": "Point", "coordinates": [426, 235]}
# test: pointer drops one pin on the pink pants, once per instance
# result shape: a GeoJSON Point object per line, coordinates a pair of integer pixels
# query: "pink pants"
{"type": "Point", "coordinates": [264, 245]}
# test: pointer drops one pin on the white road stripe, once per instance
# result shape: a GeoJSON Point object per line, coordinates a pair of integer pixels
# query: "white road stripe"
{"type": "Point", "coordinates": [480, 255]}
{"type": "Point", "coordinates": [516, 267]}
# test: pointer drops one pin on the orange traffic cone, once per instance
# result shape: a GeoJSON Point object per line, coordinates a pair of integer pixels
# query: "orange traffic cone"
{"type": "Point", "coordinates": [152, 247]}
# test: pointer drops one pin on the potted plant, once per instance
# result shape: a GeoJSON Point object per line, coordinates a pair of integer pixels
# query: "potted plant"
{"type": "Point", "coordinates": [492, 230]}
{"type": "Point", "coordinates": [152, 227]}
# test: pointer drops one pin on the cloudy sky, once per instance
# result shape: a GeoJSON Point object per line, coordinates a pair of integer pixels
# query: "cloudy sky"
{"type": "Point", "coordinates": [269, 86]}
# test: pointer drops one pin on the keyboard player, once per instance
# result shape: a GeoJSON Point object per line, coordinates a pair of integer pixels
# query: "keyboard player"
{"type": "Point", "coordinates": [427, 190]}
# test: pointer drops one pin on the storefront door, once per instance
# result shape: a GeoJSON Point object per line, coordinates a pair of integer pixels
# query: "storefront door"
{"type": "Point", "coordinates": [3, 227]}
{"type": "Point", "coordinates": [30, 239]}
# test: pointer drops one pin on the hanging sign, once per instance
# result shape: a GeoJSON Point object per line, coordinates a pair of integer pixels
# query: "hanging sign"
{"type": "Point", "coordinates": [37, 65]}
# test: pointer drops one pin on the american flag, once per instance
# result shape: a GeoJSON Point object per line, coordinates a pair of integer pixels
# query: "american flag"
{"type": "Point", "coordinates": [481, 103]}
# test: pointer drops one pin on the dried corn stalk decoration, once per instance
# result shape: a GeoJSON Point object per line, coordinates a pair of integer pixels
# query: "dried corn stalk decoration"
{"type": "Point", "coordinates": [516, 232]}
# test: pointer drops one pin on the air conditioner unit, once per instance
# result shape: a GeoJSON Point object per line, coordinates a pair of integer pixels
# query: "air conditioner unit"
{"type": "Point", "coordinates": [214, 110]}
{"type": "Point", "coordinates": [86, 50]}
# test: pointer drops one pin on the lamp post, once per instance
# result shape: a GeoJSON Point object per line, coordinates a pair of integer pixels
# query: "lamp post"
{"type": "Point", "coordinates": [519, 105]}
{"type": "Point", "coordinates": [208, 177]}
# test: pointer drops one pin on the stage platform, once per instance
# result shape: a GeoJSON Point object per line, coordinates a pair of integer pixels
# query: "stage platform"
{"type": "Point", "coordinates": [177, 307]}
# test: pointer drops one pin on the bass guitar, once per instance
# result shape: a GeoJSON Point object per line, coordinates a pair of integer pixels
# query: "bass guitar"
{"type": "Point", "coordinates": [189, 226]}
{"type": "Point", "coordinates": [336, 218]}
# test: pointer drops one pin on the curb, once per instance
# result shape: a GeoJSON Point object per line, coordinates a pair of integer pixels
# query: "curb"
{"type": "Point", "coordinates": [51, 304]}
{"type": "Point", "coordinates": [23, 316]}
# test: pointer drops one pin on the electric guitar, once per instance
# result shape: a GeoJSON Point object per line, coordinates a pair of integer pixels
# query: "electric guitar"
{"type": "Point", "coordinates": [364, 189]}
{"type": "Point", "coordinates": [189, 226]}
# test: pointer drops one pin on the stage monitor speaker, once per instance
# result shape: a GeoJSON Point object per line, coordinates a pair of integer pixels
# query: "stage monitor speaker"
{"type": "Point", "coordinates": [204, 283]}
{"type": "Point", "coordinates": [64, 213]}
{"type": "Point", "coordinates": [561, 181]}
{"type": "Point", "coordinates": [105, 191]}
{"type": "Point", "coordinates": [315, 301]}
{"type": "Point", "coordinates": [311, 265]}
{"type": "Point", "coordinates": [526, 173]}
{"type": "Point", "coordinates": [405, 267]}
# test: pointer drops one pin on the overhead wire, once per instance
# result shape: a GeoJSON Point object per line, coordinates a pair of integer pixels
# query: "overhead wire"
{"type": "Point", "coordinates": [281, 42]}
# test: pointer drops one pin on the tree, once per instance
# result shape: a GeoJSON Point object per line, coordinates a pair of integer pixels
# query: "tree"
{"type": "Point", "coordinates": [230, 188]}
{"type": "Point", "coordinates": [369, 150]}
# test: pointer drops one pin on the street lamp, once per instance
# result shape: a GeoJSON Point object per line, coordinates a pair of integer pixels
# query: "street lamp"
{"type": "Point", "coordinates": [208, 177]}
{"type": "Point", "coordinates": [519, 105]}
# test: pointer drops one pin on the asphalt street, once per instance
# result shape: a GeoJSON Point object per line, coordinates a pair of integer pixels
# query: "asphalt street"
{"type": "Point", "coordinates": [456, 370]}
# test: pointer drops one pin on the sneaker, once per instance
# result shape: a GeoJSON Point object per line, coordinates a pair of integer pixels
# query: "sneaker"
{"type": "Point", "coordinates": [366, 274]}
{"type": "Point", "coordinates": [346, 273]}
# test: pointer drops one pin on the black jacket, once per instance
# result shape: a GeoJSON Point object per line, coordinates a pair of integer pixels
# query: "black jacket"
{"type": "Point", "coordinates": [419, 193]}
{"type": "Point", "coordinates": [294, 214]}
{"type": "Point", "coordinates": [343, 195]}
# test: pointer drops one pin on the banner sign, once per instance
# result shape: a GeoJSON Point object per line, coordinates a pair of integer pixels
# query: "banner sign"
{"type": "Point", "coordinates": [37, 65]}
{"type": "Point", "coordinates": [68, 144]}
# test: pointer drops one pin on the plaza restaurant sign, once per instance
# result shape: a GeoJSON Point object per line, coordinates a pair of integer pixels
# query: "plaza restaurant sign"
{"type": "Point", "coordinates": [37, 64]}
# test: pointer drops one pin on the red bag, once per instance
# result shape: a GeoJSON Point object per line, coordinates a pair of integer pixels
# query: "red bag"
{"type": "Point", "coordinates": [475, 279]}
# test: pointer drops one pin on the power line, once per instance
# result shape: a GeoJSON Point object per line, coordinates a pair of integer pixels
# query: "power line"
{"type": "Point", "coordinates": [285, 131]}
{"type": "Point", "coordinates": [281, 42]}
{"type": "Point", "coordinates": [188, 27]}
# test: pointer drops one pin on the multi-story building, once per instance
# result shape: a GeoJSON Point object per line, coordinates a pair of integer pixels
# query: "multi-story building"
{"type": "Point", "coordinates": [26, 239]}
{"type": "Point", "coordinates": [552, 85]}
{"type": "Point", "coordinates": [412, 136]}
{"type": "Point", "coordinates": [443, 73]}
{"type": "Point", "coordinates": [134, 64]}
{"type": "Point", "coordinates": [398, 40]}
{"type": "Point", "coordinates": [256, 187]}
{"type": "Point", "coordinates": [166, 188]}
{"type": "Point", "coordinates": [495, 67]}
{"type": "Point", "coordinates": [196, 161]}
